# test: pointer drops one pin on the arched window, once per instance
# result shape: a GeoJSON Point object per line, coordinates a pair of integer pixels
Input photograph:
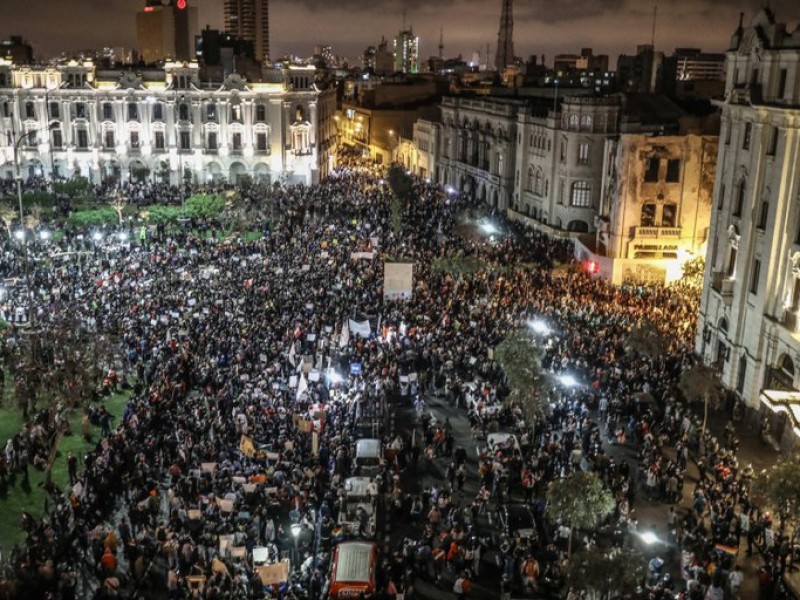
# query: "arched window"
{"type": "Point", "coordinates": [669, 215]}
{"type": "Point", "coordinates": [581, 194]}
{"type": "Point", "coordinates": [586, 122]}
{"type": "Point", "coordinates": [538, 183]}
{"type": "Point", "coordinates": [648, 215]}
{"type": "Point", "coordinates": [529, 181]}
{"type": "Point", "coordinates": [573, 121]}
{"type": "Point", "coordinates": [786, 364]}
{"type": "Point", "coordinates": [740, 192]}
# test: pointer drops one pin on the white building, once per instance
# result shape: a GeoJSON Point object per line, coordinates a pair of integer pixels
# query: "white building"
{"type": "Point", "coordinates": [748, 324]}
{"type": "Point", "coordinates": [164, 124]}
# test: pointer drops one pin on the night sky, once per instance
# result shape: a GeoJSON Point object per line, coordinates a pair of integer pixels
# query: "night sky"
{"type": "Point", "coordinates": [541, 26]}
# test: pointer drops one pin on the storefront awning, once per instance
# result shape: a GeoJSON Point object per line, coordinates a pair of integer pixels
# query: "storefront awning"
{"type": "Point", "coordinates": [784, 402]}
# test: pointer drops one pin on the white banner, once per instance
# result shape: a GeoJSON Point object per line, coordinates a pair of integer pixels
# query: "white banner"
{"type": "Point", "coordinates": [359, 327]}
{"type": "Point", "coordinates": [398, 281]}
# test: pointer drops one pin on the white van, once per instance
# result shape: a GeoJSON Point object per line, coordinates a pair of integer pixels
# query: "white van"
{"type": "Point", "coordinates": [369, 453]}
{"type": "Point", "coordinates": [359, 493]}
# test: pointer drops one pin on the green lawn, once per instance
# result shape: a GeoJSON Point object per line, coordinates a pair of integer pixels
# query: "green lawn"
{"type": "Point", "coordinates": [31, 499]}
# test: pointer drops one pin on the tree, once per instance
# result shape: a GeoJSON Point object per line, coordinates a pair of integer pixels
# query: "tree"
{"type": "Point", "coordinates": [458, 266]}
{"type": "Point", "coordinates": [607, 574]}
{"type": "Point", "coordinates": [644, 339]}
{"type": "Point", "coordinates": [118, 202]}
{"type": "Point", "coordinates": [779, 488]}
{"type": "Point", "coordinates": [580, 500]}
{"type": "Point", "coordinates": [693, 272]}
{"type": "Point", "coordinates": [701, 383]}
{"type": "Point", "coordinates": [8, 214]}
{"type": "Point", "coordinates": [205, 205]}
{"type": "Point", "coordinates": [521, 362]}
{"type": "Point", "coordinates": [402, 186]}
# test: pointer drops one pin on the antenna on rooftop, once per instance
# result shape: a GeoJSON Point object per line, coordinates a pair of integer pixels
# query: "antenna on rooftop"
{"type": "Point", "coordinates": [653, 36]}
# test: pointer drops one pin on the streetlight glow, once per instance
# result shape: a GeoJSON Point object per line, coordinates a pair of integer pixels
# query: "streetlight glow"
{"type": "Point", "coordinates": [97, 236]}
{"type": "Point", "coordinates": [296, 528]}
{"type": "Point", "coordinates": [19, 234]}
{"type": "Point", "coordinates": [334, 377]}
{"type": "Point", "coordinates": [44, 234]}
{"type": "Point", "coordinates": [489, 228]}
{"type": "Point", "coordinates": [540, 327]}
{"type": "Point", "coordinates": [568, 380]}
{"type": "Point", "coordinates": [648, 537]}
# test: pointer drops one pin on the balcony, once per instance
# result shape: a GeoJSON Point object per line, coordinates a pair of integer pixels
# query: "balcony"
{"type": "Point", "coordinates": [652, 233]}
{"type": "Point", "coordinates": [723, 285]}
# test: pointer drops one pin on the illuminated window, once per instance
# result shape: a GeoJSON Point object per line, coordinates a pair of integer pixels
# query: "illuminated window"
{"type": "Point", "coordinates": [583, 153]}
{"type": "Point", "coordinates": [581, 194]}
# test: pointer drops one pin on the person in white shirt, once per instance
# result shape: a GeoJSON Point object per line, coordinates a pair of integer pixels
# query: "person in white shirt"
{"type": "Point", "coordinates": [735, 578]}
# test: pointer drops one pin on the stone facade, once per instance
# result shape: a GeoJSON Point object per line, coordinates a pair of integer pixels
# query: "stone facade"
{"type": "Point", "coordinates": [748, 325]}
{"type": "Point", "coordinates": [165, 124]}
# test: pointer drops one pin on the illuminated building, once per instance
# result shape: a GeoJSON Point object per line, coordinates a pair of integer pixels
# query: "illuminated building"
{"type": "Point", "coordinates": [406, 52]}
{"type": "Point", "coordinates": [166, 124]}
{"type": "Point", "coordinates": [166, 31]}
{"type": "Point", "coordinates": [748, 324]}
{"type": "Point", "coordinates": [249, 20]}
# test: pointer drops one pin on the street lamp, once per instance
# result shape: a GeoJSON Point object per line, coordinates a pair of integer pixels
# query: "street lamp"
{"type": "Point", "coordinates": [296, 529]}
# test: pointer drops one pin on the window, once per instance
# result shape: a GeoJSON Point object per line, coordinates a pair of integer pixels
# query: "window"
{"type": "Point", "coordinates": [108, 111]}
{"type": "Point", "coordinates": [721, 199]}
{"type": "Point", "coordinates": [763, 215]}
{"type": "Point", "coordinates": [80, 110]}
{"type": "Point", "coordinates": [573, 121]}
{"type": "Point", "coordinates": [30, 110]}
{"type": "Point", "coordinates": [754, 77]}
{"type": "Point", "coordinates": [6, 110]}
{"type": "Point", "coordinates": [673, 170]}
{"type": "Point", "coordinates": [211, 112]}
{"type": "Point", "coordinates": [134, 140]}
{"type": "Point", "coordinates": [538, 183]}
{"type": "Point", "coordinates": [236, 113]}
{"type": "Point", "coordinates": [583, 153]}
{"type": "Point", "coordinates": [236, 141]}
{"type": "Point", "coordinates": [159, 140]}
{"type": "Point", "coordinates": [58, 140]}
{"type": "Point", "coordinates": [781, 85]}
{"type": "Point", "coordinates": [186, 140]}
{"type": "Point", "coordinates": [212, 140]}
{"type": "Point", "coordinates": [755, 276]}
{"type": "Point", "coordinates": [581, 194]}
{"type": "Point", "coordinates": [83, 139]}
{"type": "Point", "coordinates": [648, 215]}
{"type": "Point", "coordinates": [731, 271]}
{"type": "Point", "coordinates": [669, 215]}
{"type": "Point", "coordinates": [564, 149]}
{"type": "Point", "coordinates": [529, 181]}
{"type": "Point", "coordinates": [748, 132]}
{"type": "Point", "coordinates": [158, 112]}
{"type": "Point", "coordinates": [651, 166]}
{"type": "Point", "coordinates": [796, 294]}
{"type": "Point", "coordinates": [133, 111]}
{"type": "Point", "coordinates": [586, 122]}
{"type": "Point", "coordinates": [183, 112]}
{"type": "Point", "coordinates": [108, 138]}
{"type": "Point", "coordinates": [261, 113]}
{"type": "Point", "coordinates": [261, 142]}
{"type": "Point", "coordinates": [737, 210]}
{"type": "Point", "coordinates": [55, 113]}
{"type": "Point", "coordinates": [772, 149]}
{"type": "Point", "coordinates": [728, 133]}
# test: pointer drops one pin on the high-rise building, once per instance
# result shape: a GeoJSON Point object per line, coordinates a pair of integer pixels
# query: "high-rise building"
{"type": "Point", "coordinates": [249, 21]}
{"type": "Point", "coordinates": [166, 31]}
{"type": "Point", "coordinates": [505, 37]}
{"type": "Point", "coordinates": [642, 72]}
{"type": "Point", "coordinates": [748, 326]}
{"type": "Point", "coordinates": [406, 52]}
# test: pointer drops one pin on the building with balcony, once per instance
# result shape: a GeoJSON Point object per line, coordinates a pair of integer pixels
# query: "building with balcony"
{"type": "Point", "coordinates": [655, 208]}
{"type": "Point", "coordinates": [166, 124]}
{"type": "Point", "coordinates": [748, 314]}
{"type": "Point", "coordinates": [559, 166]}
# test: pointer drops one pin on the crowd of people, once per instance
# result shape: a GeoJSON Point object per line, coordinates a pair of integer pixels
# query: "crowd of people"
{"type": "Point", "coordinates": [239, 434]}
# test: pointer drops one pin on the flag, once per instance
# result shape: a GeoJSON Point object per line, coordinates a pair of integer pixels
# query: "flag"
{"type": "Point", "coordinates": [302, 386]}
{"type": "Point", "coordinates": [361, 328]}
{"type": "Point", "coordinates": [292, 361]}
{"type": "Point", "coordinates": [344, 337]}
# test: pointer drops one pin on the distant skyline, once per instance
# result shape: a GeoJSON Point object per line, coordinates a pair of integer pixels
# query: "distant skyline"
{"type": "Point", "coordinates": [540, 26]}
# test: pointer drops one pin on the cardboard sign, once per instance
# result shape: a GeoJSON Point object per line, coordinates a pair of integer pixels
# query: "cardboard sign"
{"type": "Point", "coordinates": [208, 467]}
{"type": "Point", "coordinates": [274, 574]}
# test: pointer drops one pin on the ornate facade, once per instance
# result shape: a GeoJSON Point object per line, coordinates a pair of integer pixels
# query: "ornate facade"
{"type": "Point", "coordinates": [748, 324]}
{"type": "Point", "coordinates": [164, 124]}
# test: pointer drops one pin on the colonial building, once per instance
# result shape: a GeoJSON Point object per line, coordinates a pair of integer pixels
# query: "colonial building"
{"type": "Point", "coordinates": [655, 207]}
{"type": "Point", "coordinates": [477, 149]}
{"type": "Point", "coordinates": [559, 164]}
{"type": "Point", "coordinates": [748, 325]}
{"type": "Point", "coordinates": [164, 124]}
{"type": "Point", "coordinates": [418, 154]}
